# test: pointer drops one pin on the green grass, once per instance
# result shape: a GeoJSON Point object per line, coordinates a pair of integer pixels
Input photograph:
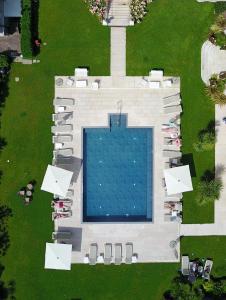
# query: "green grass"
{"type": "Point", "coordinates": [170, 37]}
{"type": "Point", "coordinates": [207, 247]}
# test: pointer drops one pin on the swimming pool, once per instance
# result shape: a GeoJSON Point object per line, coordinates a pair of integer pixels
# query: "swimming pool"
{"type": "Point", "coordinates": [117, 172]}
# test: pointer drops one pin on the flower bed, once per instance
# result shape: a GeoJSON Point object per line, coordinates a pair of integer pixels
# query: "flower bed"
{"type": "Point", "coordinates": [216, 89]}
{"type": "Point", "coordinates": [97, 7]}
{"type": "Point", "coordinates": [138, 9]}
{"type": "Point", "coordinates": [217, 34]}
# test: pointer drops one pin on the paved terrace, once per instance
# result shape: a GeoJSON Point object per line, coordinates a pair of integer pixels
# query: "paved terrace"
{"type": "Point", "coordinates": [144, 108]}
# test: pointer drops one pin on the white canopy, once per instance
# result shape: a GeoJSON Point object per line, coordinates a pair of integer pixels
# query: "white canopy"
{"type": "Point", "coordinates": [58, 256]}
{"type": "Point", "coordinates": [56, 180]}
{"type": "Point", "coordinates": [178, 180]}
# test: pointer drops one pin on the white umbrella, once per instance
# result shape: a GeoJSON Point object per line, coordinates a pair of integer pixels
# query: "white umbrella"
{"type": "Point", "coordinates": [56, 180]}
{"type": "Point", "coordinates": [58, 256]}
{"type": "Point", "coordinates": [178, 180]}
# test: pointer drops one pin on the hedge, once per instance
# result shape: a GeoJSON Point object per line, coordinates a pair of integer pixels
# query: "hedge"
{"type": "Point", "coordinates": [26, 35]}
{"type": "Point", "coordinates": [220, 7]}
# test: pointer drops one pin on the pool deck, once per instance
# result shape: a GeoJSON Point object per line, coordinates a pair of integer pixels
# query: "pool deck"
{"type": "Point", "coordinates": [145, 109]}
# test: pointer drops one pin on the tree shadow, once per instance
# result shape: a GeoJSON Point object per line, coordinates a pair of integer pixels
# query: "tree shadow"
{"type": "Point", "coordinates": [34, 25]}
{"type": "Point", "coordinates": [208, 175]}
{"type": "Point", "coordinates": [7, 290]}
{"type": "Point", "coordinates": [187, 159]}
{"type": "Point", "coordinates": [3, 143]}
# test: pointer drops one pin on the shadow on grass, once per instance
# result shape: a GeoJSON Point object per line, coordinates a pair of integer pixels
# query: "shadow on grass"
{"type": "Point", "coordinates": [187, 159]}
{"type": "Point", "coordinates": [7, 290]}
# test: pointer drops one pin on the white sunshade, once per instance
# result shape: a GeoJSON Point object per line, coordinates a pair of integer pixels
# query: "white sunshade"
{"type": "Point", "coordinates": [56, 180]}
{"type": "Point", "coordinates": [58, 256]}
{"type": "Point", "coordinates": [178, 180]}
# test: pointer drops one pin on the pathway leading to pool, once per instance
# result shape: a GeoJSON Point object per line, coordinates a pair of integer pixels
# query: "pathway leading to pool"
{"type": "Point", "coordinates": [118, 51]}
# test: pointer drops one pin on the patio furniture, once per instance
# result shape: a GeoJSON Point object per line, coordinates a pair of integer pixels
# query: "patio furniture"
{"type": "Point", "coordinates": [61, 235]}
{"type": "Point", "coordinates": [129, 253]}
{"type": "Point", "coordinates": [62, 128]}
{"type": "Point", "coordinates": [61, 205]}
{"type": "Point", "coordinates": [167, 83]}
{"type": "Point", "coordinates": [172, 218]}
{"type": "Point", "coordinates": [134, 259]}
{"type": "Point", "coordinates": [70, 81]}
{"type": "Point", "coordinates": [58, 146]}
{"type": "Point", "coordinates": [59, 109]}
{"type": "Point", "coordinates": [172, 109]}
{"type": "Point", "coordinates": [62, 138]}
{"type": "Point", "coordinates": [172, 153]}
{"type": "Point", "coordinates": [56, 198]}
{"type": "Point", "coordinates": [58, 256]}
{"type": "Point", "coordinates": [63, 152]}
{"type": "Point", "coordinates": [59, 82]}
{"type": "Point", "coordinates": [27, 200]}
{"type": "Point", "coordinates": [174, 99]}
{"type": "Point", "coordinates": [93, 254]}
{"type": "Point", "coordinates": [118, 254]}
{"type": "Point", "coordinates": [100, 259]}
{"type": "Point", "coordinates": [156, 74]}
{"type": "Point", "coordinates": [143, 82]}
{"type": "Point", "coordinates": [154, 84]}
{"type": "Point", "coordinates": [86, 259]}
{"type": "Point", "coordinates": [70, 193]}
{"type": "Point", "coordinates": [81, 83]}
{"type": "Point", "coordinates": [63, 102]}
{"type": "Point", "coordinates": [95, 86]}
{"type": "Point", "coordinates": [107, 253]}
{"type": "Point", "coordinates": [62, 116]}
{"type": "Point", "coordinates": [81, 72]}
{"type": "Point", "coordinates": [30, 186]}
{"type": "Point", "coordinates": [207, 269]}
{"type": "Point", "coordinates": [59, 215]}
{"type": "Point", "coordinates": [21, 193]}
{"type": "Point", "coordinates": [172, 142]}
{"type": "Point", "coordinates": [29, 193]}
{"type": "Point", "coordinates": [185, 265]}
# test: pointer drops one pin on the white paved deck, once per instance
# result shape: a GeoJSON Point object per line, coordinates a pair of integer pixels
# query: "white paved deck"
{"type": "Point", "coordinates": [144, 108]}
{"type": "Point", "coordinates": [118, 51]}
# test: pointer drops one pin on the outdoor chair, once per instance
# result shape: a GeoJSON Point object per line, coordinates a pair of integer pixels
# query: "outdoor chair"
{"type": "Point", "coordinates": [81, 72]}
{"type": "Point", "coordinates": [95, 85]}
{"type": "Point", "coordinates": [62, 117]}
{"type": "Point", "coordinates": [93, 254]}
{"type": "Point", "coordinates": [81, 83]}
{"type": "Point", "coordinates": [174, 99]}
{"type": "Point", "coordinates": [129, 253]}
{"type": "Point", "coordinates": [70, 81]}
{"type": "Point", "coordinates": [70, 193]}
{"type": "Point", "coordinates": [62, 138]}
{"type": "Point", "coordinates": [207, 269]}
{"type": "Point", "coordinates": [154, 84]}
{"type": "Point", "coordinates": [61, 235]}
{"type": "Point", "coordinates": [63, 102]}
{"type": "Point", "coordinates": [58, 215]}
{"type": "Point", "coordinates": [156, 74]}
{"type": "Point", "coordinates": [63, 152]}
{"type": "Point", "coordinates": [107, 253]}
{"type": "Point", "coordinates": [167, 83]}
{"type": "Point", "coordinates": [118, 254]}
{"type": "Point", "coordinates": [172, 109]}
{"type": "Point", "coordinates": [185, 265]}
{"type": "Point", "coordinates": [172, 153]}
{"type": "Point", "coordinates": [62, 128]}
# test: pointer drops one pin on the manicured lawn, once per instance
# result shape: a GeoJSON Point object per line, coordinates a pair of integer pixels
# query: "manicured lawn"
{"type": "Point", "coordinates": [207, 247]}
{"type": "Point", "coordinates": [170, 37]}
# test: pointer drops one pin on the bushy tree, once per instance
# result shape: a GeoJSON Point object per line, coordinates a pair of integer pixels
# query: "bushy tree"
{"type": "Point", "coordinates": [208, 190]}
{"type": "Point", "coordinates": [4, 62]}
{"type": "Point", "coordinates": [215, 90]}
{"type": "Point", "coordinates": [206, 142]}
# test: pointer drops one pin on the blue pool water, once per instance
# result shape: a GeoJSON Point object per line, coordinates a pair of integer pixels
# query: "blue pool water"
{"type": "Point", "coordinates": [117, 172]}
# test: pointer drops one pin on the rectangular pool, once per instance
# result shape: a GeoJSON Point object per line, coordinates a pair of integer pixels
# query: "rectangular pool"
{"type": "Point", "coordinates": [117, 172]}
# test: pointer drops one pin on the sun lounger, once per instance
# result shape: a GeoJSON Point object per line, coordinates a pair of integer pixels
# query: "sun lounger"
{"type": "Point", "coordinates": [62, 128]}
{"type": "Point", "coordinates": [156, 74]}
{"type": "Point", "coordinates": [58, 146]}
{"type": "Point", "coordinates": [62, 138]}
{"type": "Point", "coordinates": [174, 99]}
{"type": "Point", "coordinates": [172, 109]}
{"type": "Point", "coordinates": [59, 215]}
{"type": "Point", "coordinates": [81, 83]}
{"type": "Point", "coordinates": [93, 254]}
{"type": "Point", "coordinates": [185, 265]}
{"type": "Point", "coordinates": [172, 153]}
{"type": "Point", "coordinates": [63, 152]}
{"type": "Point", "coordinates": [107, 254]}
{"type": "Point", "coordinates": [167, 83]}
{"type": "Point", "coordinates": [62, 116]}
{"type": "Point", "coordinates": [81, 72]}
{"type": "Point", "coordinates": [63, 102]}
{"type": "Point", "coordinates": [154, 84]}
{"type": "Point", "coordinates": [61, 235]}
{"type": "Point", "coordinates": [129, 253]}
{"type": "Point", "coordinates": [118, 254]}
{"type": "Point", "coordinates": [70, 193]}
{"type": "Point", "coordinates": [207, 269]}
{"type": "Point", "coordinates": [172, 218]}
{"type": "Point", "coordinates": [95, 86]}
{"type": "Point", "coordinates": [70, 81]}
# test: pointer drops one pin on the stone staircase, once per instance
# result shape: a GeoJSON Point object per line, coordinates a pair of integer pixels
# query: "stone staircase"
{"type": "Point", "coordinates": [118, 13]}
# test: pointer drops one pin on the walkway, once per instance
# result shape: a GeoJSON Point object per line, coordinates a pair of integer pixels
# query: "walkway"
{"type": "Point", "coordinates": [118, 51]}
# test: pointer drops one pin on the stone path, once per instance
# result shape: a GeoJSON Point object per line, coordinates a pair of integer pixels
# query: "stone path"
{"type": "Point", "coordinates": [118, 51]}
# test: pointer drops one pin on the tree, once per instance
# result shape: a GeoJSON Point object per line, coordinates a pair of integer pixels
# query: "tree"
{"type": "Point", "coordinates": [4, 62]}
{"type": "Point", "coordinates": [215, 90]}
{"type": "Point", "coordinates": [209, 190]}
{"type": "Point", "coordinates": [206, 142]}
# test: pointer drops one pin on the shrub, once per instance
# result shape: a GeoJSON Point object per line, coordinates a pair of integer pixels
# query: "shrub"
{"type": "Point", "coordinates": [138, 9]}
{"type": "Point", "coordinates": [215, 90]}
{"type": "Point", "coordinates": [220, 39]}
{"type": "Point", "coordinates": [97, 7]}
{"type": "Point", "coordinates": [4, 62]}
{"type": "Point", "coordinates": [220, 7]}
{"type": "Point", "coordinates": [206, 142]}
{"type": "Point", "coordinates": [208, 191]}
{"type": "Point", "coordinates": [217, 35]}
{"type": "Point", "coordinates": [26, 36]}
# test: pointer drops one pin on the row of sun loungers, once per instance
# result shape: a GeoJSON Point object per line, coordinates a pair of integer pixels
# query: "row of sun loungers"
{"type": "Point", "coordinates": [194, 269]}
{"type": "Point", "coordinates": [107, 258]}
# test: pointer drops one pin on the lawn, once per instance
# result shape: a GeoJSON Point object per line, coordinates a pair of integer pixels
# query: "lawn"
{"type": "Point", "coordinates": [170, 37]}
{"type": "Point", "coordinates": [75, 38]}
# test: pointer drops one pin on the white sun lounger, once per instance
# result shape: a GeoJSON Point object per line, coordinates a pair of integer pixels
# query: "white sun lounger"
{"type": "Point", "coordinates": [81, 83]}
{"type": "Point", "coordinates": [63, 102]}
{"type": "Point", "coordinates": [167, 83]}
{"type": "Point", "coordinates": [61, 138]}
{"type": "Point", "coordinates": [93, 254]}
{"type": "Point", "coordinates": [207, 269]}
{"type": "Point", "coordinates": [154, 84]}
{"type": "Point", "coordinates": [118, 254]}
{"type": "Point", "coordinates": [81, 72]}
{"type": "Point", "coordinates": [62, 116]}
{"type": "Point", "coordinates": [129, 253]}
{"type": "Point", "coordinates": [70, 193]}
{"type": "Point", "coordinates": [156, 74]}
{"type": "Point", "coordinates": [63, 152]}
{"type": "Point", "coordinates": [185, 265]}
{"type": "Point", "coordinates": [174, 99]}
{"type": "Point", "coordinates": [107, 253]}
{"type": "Point", "coordinates": [176, 109]}
{"type": "Point", "coordinates": [172, 153]}
{"type": "Point", "coordinates": [62, 128]}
